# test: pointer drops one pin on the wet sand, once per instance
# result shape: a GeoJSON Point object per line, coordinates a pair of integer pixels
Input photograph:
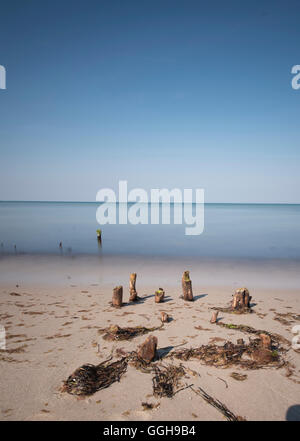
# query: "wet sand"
{"type": "Point", "coordinates": [52, 310]}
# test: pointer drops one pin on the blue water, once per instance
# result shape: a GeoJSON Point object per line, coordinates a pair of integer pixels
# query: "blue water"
{"type": "Point", "coordinates": [231, 230]}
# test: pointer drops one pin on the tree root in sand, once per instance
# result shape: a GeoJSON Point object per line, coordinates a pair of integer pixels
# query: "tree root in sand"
{"type": "Point", "coordinates": [114, 332]}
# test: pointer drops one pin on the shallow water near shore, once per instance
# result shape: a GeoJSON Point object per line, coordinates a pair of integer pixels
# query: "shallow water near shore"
{"type": "Point", "coordinates": [254, 231]}
{"type": "Point", "coordinates": [52, 270]}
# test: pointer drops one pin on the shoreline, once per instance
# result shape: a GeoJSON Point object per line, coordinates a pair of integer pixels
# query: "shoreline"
{"type": "Point", "coordinates": [57, 270]}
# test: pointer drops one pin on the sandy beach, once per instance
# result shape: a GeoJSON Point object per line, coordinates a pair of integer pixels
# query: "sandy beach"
{"type": "Point", "coordinates": [52, 310]}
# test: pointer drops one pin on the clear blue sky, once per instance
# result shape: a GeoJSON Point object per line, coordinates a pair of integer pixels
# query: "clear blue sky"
{"type": "Point", "coordinates": [161, 93]}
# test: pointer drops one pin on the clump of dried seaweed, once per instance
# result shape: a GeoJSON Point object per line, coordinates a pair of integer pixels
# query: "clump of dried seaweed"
{"type": "Point", "coordinates": [166, 380]}
{"type": "Point", "coordinates": [230, 310]}
{"type": "Point", "coordinates": [89, 378]}
{"type": "Point", "coordinates": [149, 406]}
{"type": "Point", "coordinates": [287, 318]}
{"type": "Point", "coordinates": [114, 332]}
{"type": "Point", "coordinates": [238, 377]}
{"type": "Point", "coordinates": [17, 350]}
{"type": "Point", "coordinates": [230, 416]}
{"type": "Point", "coordinates": [250, 356]}
{"type": "Point", "coordinates": [276, 338]}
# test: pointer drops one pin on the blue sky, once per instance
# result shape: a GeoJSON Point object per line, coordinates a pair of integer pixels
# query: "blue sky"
{"type": "Point", "coordinates": [159, 93]}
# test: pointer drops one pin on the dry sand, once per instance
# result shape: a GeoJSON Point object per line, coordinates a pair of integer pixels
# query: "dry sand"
{"type": "Point", "coordinates": [52, 311]}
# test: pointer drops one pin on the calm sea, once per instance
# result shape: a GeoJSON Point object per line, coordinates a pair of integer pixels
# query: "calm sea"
{"type": "Point", "coordinates": [231, 230]}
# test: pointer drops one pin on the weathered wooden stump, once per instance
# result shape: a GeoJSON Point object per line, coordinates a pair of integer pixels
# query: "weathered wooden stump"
{"type": "Point", "coordinates": [187, 287]}
{"type": "Point", "coordinates": [147, 350]}
{"type": "Point", "coordinates": [117, 297]}
{"type": "Point", "coordinates": [265, 340]}
{"type": "Point", "coordinates": [214, 317]}
{"type": "Point", "coordinates": [241, 299]}
{"type": "Point", "coordinates": [164, 317]}
{"type": "Point", "coordinates": [159, 295]}
{"type": "Point", "coordinates": [132, 291]}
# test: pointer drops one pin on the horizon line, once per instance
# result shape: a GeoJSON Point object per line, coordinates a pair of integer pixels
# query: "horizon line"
{"type": "Point", "coordinates": [132, 202]}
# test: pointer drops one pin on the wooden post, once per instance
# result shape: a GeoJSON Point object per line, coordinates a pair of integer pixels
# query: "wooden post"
{"type": "Point", "coordinates": [241, 299]}
{"type": "Point", "coordinates": [214, 317]}
{"type": "Point", "coordinates": [132, 290]}
{"type": "Point", "coordinates": [147, 350]}
{"type": "Point", "coordinates": [159, 295]}
{"type": "Point", "coordinates": [187, 287]}
{"type": "Point", "coordinates": [117, 296]}
{"type": "Point", "coordinates": [99, 234]}
{"type": "Point", "coordinates": [164, 317]}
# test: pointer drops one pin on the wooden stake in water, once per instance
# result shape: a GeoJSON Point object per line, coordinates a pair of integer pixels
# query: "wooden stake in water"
{"type": "Point", "coordinates": [99, 235]}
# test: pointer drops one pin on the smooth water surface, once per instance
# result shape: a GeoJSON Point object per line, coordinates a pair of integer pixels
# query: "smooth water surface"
{"type": "Point", "coordinates": [231, 230]}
